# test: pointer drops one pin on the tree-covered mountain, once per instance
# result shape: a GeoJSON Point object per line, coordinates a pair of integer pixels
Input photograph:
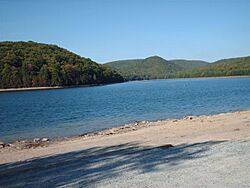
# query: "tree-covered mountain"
{"type": "Point", "coordinates": [158, 68]}
{"type": "Point", "coordinates": [225, 67]}
{"type": "Point", "coordinates": [189, 64]}
{"type": "Point", "coordinates": [153, 67]}
{"type": "Point", "coordinates": [30, 64]}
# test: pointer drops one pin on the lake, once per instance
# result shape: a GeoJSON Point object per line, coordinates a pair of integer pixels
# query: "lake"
{"type": "Point", "coordinates": [68, 112]}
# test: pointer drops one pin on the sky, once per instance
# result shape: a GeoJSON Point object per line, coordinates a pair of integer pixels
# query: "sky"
{"type": "Point", "coordinates": [107, 30]}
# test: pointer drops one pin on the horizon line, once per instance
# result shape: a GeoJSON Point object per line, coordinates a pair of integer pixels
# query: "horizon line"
{"type": "Point", "coordinates": [125, 59]}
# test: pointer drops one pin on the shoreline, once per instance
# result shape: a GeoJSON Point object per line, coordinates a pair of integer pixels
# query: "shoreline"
{"type": "Point", "coordinates": [118, 129]}
{"type": "Point", "coordinates": [184, 130]}
{"type": "Point", "coordinates": [47, 88]}
{"type": "Point", "coordinates": [193, 78]}
{"type": "Point", "coordinates": [30, 88]}
{"type": "Point", "coordinates": [90, 85]}
{"type": "Point", "coordinates": [52, 87]}
{"type": "Point", "coordinates": [243, 76]}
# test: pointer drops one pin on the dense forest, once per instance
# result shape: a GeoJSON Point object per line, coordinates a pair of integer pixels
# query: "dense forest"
{"type": "Point", "coordinates": [30, 64]}
{"type": "Point", "coordinates": [153, 67]}
{"type": "Point", "coordinates": [158, 68]}
{"type": "Point", "coordinates": [225, 67]}
{"type": "Point", "coordinates": [148, 68]}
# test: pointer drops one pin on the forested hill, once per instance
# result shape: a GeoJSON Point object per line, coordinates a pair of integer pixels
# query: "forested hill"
{"type": "Point", "coordinates": [153, 67]}
{"type": "Point", "coordinates": [189, 64]}
{"type": "Point", "coordinates": [158, 68]}
{"type": "Point", "coordinates": [148, 68]}
{"type": "Point", "coordinates": [30, 64]}
{"type": "Point", "coordinates": [225, 67]}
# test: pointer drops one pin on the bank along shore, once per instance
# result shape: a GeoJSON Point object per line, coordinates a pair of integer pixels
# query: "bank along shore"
{"type": "Point", "coordinates": [162, 133]}
{"type": "Point", "coordinates": [77, 86]}
{"type": "Point", "coordinates": [46, 88]}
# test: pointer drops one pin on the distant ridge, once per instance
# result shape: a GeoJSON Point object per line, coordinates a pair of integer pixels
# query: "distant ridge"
{"type": "Point", "coordinates": [189, 64]}
{"type": "Point", "coordinates": [226, 67]}
{"type": "Point", "coordinates": [153, 67]}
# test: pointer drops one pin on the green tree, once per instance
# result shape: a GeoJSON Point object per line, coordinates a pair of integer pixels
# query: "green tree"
{"type": "Point", "coordinates": [43, 76]}
{"type": "Point", "coordinates": [26, 75]}
{"type": "Point", "coordinates": [6, 76]}
{"type": "Point", "coordinates": [55, 74]}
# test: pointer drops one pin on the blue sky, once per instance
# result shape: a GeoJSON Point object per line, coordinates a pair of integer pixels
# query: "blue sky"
{"type": "Point", "coordinates": [106, 30]}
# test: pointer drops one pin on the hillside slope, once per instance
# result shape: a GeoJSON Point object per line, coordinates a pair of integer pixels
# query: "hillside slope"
{"type": "Point", "coordinates": [225, 67]}
{"type": "Point", "coordinates": [189, 64]}
{"type": "Point", "coordinates": [30, 64]}
{"type": "Point", "coordinates": [153, 67]}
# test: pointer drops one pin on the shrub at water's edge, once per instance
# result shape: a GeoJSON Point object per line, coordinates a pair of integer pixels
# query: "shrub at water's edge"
{"type": "Point", "coordinates": [30, 64]}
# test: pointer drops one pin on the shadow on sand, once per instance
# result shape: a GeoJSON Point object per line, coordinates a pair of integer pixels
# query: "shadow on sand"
{"type": "Point", "coordinates": [89, 166]}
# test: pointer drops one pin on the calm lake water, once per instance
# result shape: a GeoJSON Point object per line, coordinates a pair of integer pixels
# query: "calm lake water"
{"type": "Point", "coordinates": [67, 112]}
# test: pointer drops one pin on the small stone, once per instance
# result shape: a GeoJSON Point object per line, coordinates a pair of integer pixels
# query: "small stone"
{"type": "Point", "coordinates": [36, 140]}
{"type": "Point", "coordinates": [175, 120]}
{"type": "Point", "coordinates": [45, 140]}
{"type": "Point", "coordinates": [84, 134]}
{"type": "Point", "coordinates": [166, 146]}
{"type": "Point", "coordinates": [109, 133]}
{"type": "Point", "coordinates": [143, 122]}
{"type": "Point", "coordinates": [112, 132]}
{"type": "Point", "coordinates": [2, 145]}
{"type": "Point", "coordinates": [127, 126]}
{"type": "Point", "coordinates": [188, 118]}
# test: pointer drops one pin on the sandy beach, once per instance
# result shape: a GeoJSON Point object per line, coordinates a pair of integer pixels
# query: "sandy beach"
{"type": "Point", "coordinates": [30, 89]}
{"type": "Point", "coordinates": [187, 141]}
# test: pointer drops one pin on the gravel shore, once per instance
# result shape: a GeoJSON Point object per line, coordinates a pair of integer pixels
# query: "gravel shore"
{"type": "Point", "coordinates": [203, 151]}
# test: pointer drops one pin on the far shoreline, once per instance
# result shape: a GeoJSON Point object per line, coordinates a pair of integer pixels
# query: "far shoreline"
{"type": "Point", "coordinates": [30, 88]}
{"type": "Point", "coordinates": [194, 78]}
{"type": "Point", "coordinates": [51, 87]}
{"type": "Point", "coordinates": [91, 85]}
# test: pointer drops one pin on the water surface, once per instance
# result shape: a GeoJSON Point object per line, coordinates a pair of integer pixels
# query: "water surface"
{"type": "Point", "coordinates": [67, 112]}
